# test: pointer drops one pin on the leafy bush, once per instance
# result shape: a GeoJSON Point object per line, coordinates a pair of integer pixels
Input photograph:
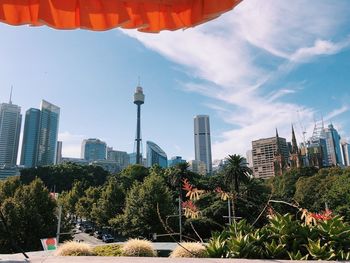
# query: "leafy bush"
{"type": "Point", "coordinates": [73, 248]}
{"type": "Point", "coordinates": [189, 250]}
{"type": "Point", "coordinates": [138, 248]}
{"type": "Point", "coordinates": [316, 237]}
{"type": "Point", "coordinates": [108, 250]}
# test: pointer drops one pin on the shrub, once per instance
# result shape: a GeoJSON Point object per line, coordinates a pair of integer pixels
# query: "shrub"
{"type": "Point", "coordinates": [138, 248]}
{"type": "Point", "coordinates": [108, 250]}
{"type": "Point", "coordinates": [317, 237]}
{"type": "Point", "coordinates": [73, 248]}
{"type": "Point", "coordinates": [189, 250]}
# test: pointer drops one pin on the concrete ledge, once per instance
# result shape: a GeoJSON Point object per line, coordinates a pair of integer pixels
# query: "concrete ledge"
{"type": "Point", "coordinates": [48, 257]}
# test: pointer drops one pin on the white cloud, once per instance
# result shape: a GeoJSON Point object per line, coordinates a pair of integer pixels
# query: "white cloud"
{"type": "Point", "coordinates": [237, 55]}
{"type": "Point", "coordinates": [336, 112]}
{"type": "Point", "coordinates": [321, 47]}
{"type": "Point", "coordinates": [71, 146]}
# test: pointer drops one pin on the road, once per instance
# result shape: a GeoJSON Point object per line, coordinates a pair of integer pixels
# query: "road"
{"type": "Point", "coordinates": [91, 240]}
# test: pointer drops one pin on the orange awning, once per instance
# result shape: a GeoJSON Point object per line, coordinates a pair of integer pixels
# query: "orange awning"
{"type": "Point", "coordinates": [145, 15]}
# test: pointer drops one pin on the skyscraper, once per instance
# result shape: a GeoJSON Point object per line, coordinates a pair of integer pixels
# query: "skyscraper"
{"type": "Point", "coordinates": [155, 155]}
{"type": "Point", "coordinates": [346, 152]}
{"type": "Point", "coordinates": [48, 133]}
{"type": "Point", "coordinates": [264, 155]}
{"type": "Point", "coordinates": [93, 150]}
{"type": "Point", "coordinates": [30, 138]}
{"type": "Point", "coordinates": [10, 127]}
{"type": "Point", "coordinates": [58, 153]}
{"type": "Point", "coordinates": [333, 146]}
{"type": "Point", "coordinates": [202, 144]}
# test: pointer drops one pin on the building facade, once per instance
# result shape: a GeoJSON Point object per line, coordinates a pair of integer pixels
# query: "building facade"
{"type": "Point", "coordinates": [346, 152]}
{"type": "Point", "coordinates": [333, 146]}
{"type": "Point", "coordinates": [264, 153]}
{"type": "Point", "coordinates": [93, 150]}
{"type": "Point", "coordinates": [202, 143]}
{"type": "Point", "coordinates": [175, 160]}
{"type": "Point", "coordinates": [121, 158]}
{"type": "Point", "coordinates": [59, 153]}
{"type": "Point", "coordinates": [155, 155]}
{"type": "Point", "coordinates": [198, 167]}
{"type": "Point", "coordinates": [48, 133]}
{"type": "Point", "coordinates": [10, 127]}
{"type": "Point", "coordinates": [30, 138]}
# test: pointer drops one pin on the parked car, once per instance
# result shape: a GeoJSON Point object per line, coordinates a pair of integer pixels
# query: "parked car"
{"type": "Point", "coordinates": [107, 238]}
{"type": "Point", "coordinates": [88, 229]}
{"type": "Point", "coordinates": [98, 234]}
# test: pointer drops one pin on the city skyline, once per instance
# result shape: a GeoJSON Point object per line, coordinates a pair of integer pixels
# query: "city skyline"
{"type": "Point", "coordinates": [284, 72]}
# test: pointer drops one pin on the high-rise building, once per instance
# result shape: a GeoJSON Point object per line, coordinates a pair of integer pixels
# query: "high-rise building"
{"type": "Point", "coordinates": [59, 153]}
{"type": "Point", "coordinates": [175, 160]}
{"type": "Point", "coordinates": [202, 144]}
{"type": "Point", "coordinates": [249, 155]}
{"type": "Point", "coordinates": [10, 127]}
{"type": "Point", "coordinates": [346, 152]}
{"type": "Point", "coordinates": [121, 158]}
{"type": "Point", "coordinates": [139, 99]}
{"type": "Point", "coordinates": [333, 146]}
{"type": "Point", "coordinates": [30, 138]}
{"type": "Point", "coordinates": [198, 167]}
{"type": "Point", "coordinates": [264, 155]}
{"type": "Point", "coordinates": [39, 146]}
{"type": "Point", "coordinates": [93, 150]}
{"type": "Point", "coordinates": [48, 133]}
{"type": "Point", "coordinates": [155, 155]}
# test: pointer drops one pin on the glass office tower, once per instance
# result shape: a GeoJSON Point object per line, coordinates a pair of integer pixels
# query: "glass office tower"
{"type": "Point", "coordinates": [30, 138]}
{"type": "Point", "coordinates": [202, 143]}
{"type": "Point", "coordinates": [155, 155]}
{"type": "Point", "coordinates": [10, 127]}
{"type": "Point", "coordinates": [48, 133]}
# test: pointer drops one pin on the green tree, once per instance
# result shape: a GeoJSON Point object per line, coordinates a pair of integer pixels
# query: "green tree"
{"type": "Point", "coordinates": [311, 191]}
{"type": "Point", "coordinates": [110, 204]}
{"type": "Point", "coordinates": [69, 199]}
{"type": "Point", "coordinates": [86, 203]}
{"type": "Point", "coordinates": [235, 172]}
{"type": "Point", "coordinates": [30, 215]}
{"type": "Point", "coordinates": [140, 217]}
{"type": "Point", "coordinates": [131, 174]}
{"type": "Point", "coordinates": [338, 195]}
{"type": "Point", "coordinates": [62, 177]}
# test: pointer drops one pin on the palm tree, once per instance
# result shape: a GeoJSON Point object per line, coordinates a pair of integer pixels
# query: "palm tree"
{"type": "Point", "coordinates": [236, 171]}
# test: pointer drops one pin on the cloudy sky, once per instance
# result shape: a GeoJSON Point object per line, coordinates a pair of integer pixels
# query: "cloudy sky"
{"type": "Point", "coordinates": [265, 65]}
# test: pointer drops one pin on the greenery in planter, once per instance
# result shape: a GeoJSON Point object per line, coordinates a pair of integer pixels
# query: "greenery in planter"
{"type": "Point", "coordinates": [316, 237]}
{"type": "Point", "coordinates": [108, 250]}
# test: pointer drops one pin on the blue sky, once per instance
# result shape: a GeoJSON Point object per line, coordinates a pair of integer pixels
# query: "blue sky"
{"type": "Point", "coordinates": [265, 64]}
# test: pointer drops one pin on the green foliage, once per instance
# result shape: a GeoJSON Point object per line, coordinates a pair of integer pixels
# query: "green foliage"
{"type": "Point", "coordinates": [284, 238]}
{"type": "Point", "coordinates": [108, 250]}
{"type": "Point", "coordinates": [236, 171]}
{"type": "Point", "coordinates": [62, 177]}
{"type": "Point", "coordinates": [86, 203]}
{"type": "Point", "coordinates": [29, 212]}
{"type": "Point", "coordinates": [140, 216]}
{"type": "Point", "coordinates": [132, 174]}
{"type": "Point", "coordinates": [284, 187]}
{"type": "Point", "coordinates": [110, 204]}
